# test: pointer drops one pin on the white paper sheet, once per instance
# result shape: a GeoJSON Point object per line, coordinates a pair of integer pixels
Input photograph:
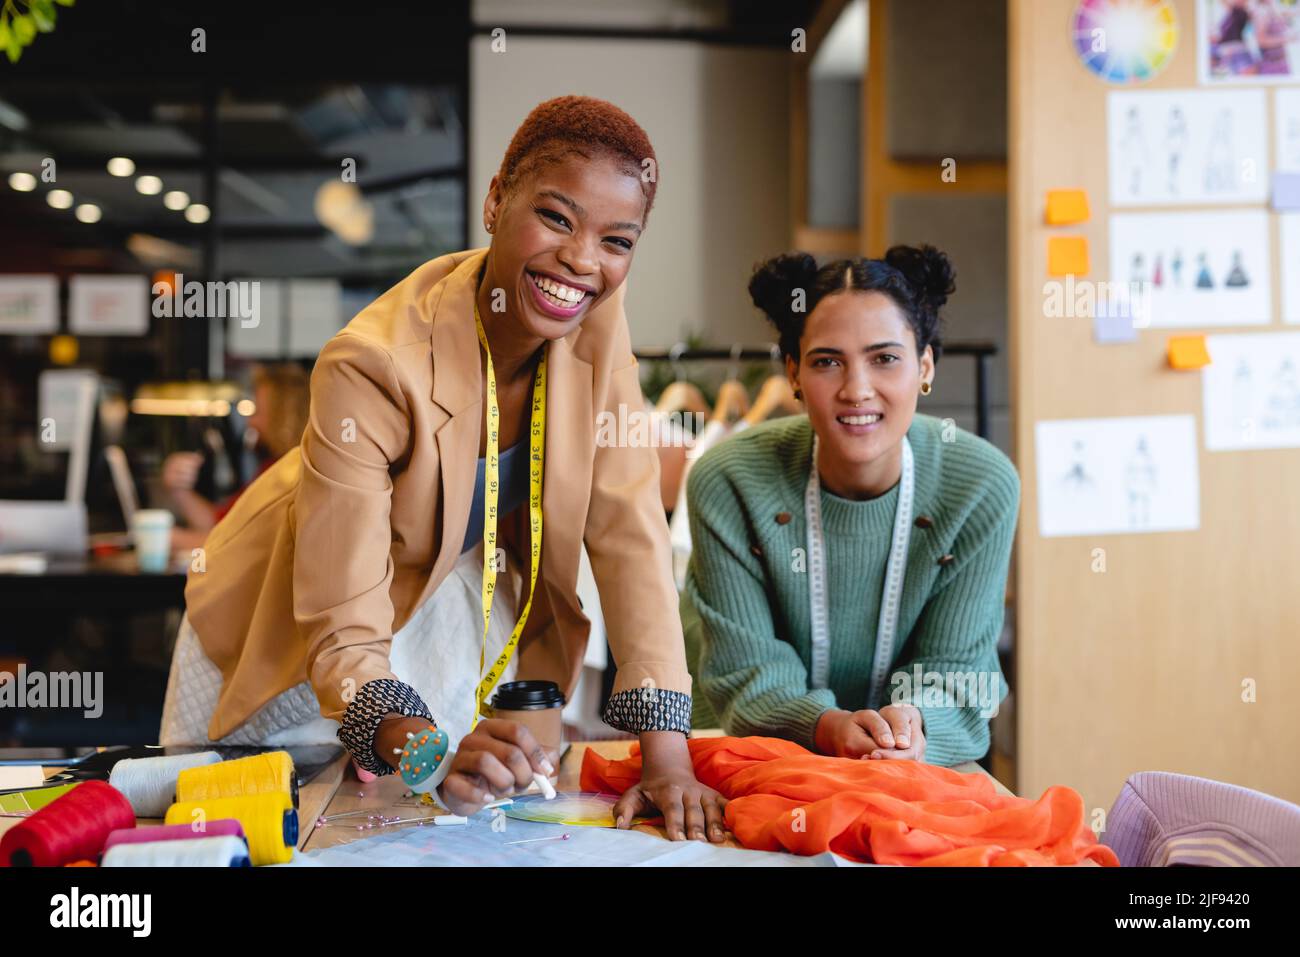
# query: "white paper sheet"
{"type": "Point", "coordinates": [1201, 269]}
{"type": "Point", "coordinates": [1117, 476]}
{"type": "Point", "coordinates": [1251, 391]}
{"type": "Point", "coordinates": [314, 311]}
{"type": "Point", "coordinates": [476, 844]}
{"type": "Point", "coordinates": [1289, 257]}
{"type": "Point", "coordinates": [263, 340]}
{"type": "Point", "coordinates": [29, 304]}
{"type": "Point", "coordinates": [1286, 129]}
{"type": "Point", "coordinates": [110, 306]}
{"type": "Point", "coordinates": [1187, 146]}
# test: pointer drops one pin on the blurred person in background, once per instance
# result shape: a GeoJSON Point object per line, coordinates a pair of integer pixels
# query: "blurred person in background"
{"type": "Point", "coordinates": [280, 394]}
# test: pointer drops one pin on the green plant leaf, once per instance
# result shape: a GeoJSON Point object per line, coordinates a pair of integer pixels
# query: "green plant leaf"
{"type": "Point", "coordinates": [44, 21]}
{"type": "Point", "coordinates": [13, 49]}
{"type": "Point", "coordinates": [65, 3]}
{"type": "Point", "coordinates": [4, 34]}
{"type": "Point", "coordinates": [24, 29]}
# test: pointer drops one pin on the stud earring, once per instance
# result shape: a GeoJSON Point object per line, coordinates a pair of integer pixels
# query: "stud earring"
{"type": "Point", "coordinates": [798, 394]}
{"type": "Point", "coordinates": [926, 388]}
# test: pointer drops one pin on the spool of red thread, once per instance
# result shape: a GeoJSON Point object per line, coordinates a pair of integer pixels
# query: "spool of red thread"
{"type": "Point", "coordinates": [71, 828]}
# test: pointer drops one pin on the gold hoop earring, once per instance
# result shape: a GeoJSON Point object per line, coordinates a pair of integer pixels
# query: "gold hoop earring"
{"type": "Point", "coordinates": [925, 388]}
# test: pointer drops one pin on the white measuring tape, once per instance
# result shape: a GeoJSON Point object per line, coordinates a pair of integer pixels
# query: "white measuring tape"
{"type": "Point", "coordinates": [891, 596]}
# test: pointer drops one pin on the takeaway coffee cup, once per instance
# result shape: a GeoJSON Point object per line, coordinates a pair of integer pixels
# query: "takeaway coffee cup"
{"type": "Point", "coordinates": [151, 530]}
{"type": "Point", "coordinates": [535, 704]}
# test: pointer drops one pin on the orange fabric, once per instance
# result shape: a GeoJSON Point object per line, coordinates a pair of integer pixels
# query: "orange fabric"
{"type": "Point", "coordinates": [887, 812]}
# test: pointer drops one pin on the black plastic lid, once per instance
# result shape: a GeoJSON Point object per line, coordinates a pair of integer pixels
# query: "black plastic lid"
{"type": "Point", "coordinates": [527, 696]}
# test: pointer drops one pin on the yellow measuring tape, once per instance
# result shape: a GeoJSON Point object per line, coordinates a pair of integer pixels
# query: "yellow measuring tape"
{"type": "Point", "coordinates": [491, 487]}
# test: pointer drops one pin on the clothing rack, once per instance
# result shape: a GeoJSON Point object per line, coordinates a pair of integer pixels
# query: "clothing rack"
{"type": "Point", "coordinates": [980, 350]}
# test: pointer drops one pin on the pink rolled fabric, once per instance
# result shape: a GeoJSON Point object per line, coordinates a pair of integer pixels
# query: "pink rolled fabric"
{"type": "Point", "coordinates": [174, 832]}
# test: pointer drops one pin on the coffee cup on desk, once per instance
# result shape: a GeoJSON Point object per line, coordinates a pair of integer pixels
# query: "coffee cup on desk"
{"type": "Point", "coordinates": [151, 531]}
{"type": "Point", "coordinates": [538, 705]}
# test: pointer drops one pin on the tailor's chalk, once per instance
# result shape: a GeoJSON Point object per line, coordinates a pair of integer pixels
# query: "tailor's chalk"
{"type": "Point", "coordinates": [543, 782]}
{"type": "Point", "coordinates": [447, 820]}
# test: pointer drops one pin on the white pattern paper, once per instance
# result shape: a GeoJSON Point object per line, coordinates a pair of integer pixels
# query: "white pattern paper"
{"type": "Point", "coordinates": [315, 313]}
{"type": "Point", "coordinates": [1201, 269]}
{"type": "Point", "coordinates": [260, 340]}
{"type": "Point", "coordinates": [29, 304]}
{"type": "Point", "coordinates": [1117, 476]}
{"type": "Point", "coordinates": [1188, 146]}
{"type": "Point", "coordinates": [109, 305]}
{"type": "Point", "coordinates": [1289, 260]}
{"type": "Point", "coordinates": [1251, 391]}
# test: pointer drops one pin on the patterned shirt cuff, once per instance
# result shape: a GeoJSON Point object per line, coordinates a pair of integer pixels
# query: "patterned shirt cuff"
{"type": "Point", "coordinates": [376, 700]}
{"type": "Point", "coordinates": [649, 709]}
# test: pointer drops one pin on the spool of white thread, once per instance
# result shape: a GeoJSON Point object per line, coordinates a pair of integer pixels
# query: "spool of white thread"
{"type": "Point", "coordinates": [223, 851]}
{"type": "Point", "coordinates": [150, 783]}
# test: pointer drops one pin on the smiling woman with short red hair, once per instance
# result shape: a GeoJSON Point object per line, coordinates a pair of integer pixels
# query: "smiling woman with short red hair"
{"type": "Point", "coordinates": [348, 580]}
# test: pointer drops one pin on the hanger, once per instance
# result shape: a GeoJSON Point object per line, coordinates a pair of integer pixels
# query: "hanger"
{"type": "Point", "coordinates": [775, 395]}
{"type": "Point", "coordinates": [680, 395]}
{"type": "Point", "coordinates": [733, 399]}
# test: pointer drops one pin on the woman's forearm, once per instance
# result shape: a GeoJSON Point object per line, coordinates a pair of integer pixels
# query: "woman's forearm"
{"type": "Point", "coordinates": [198, 512]}
{"type": "Point", "coordinates": [663, 750]}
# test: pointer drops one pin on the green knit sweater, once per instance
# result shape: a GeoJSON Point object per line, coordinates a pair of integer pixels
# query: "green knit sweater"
{"type": "Point", "coordinates": [745, 609]}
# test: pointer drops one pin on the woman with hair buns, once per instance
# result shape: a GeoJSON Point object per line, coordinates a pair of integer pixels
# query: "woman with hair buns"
{"type": "Point", "coordinates": [846, 586]}
{"type": "Point", "coordinates": [353, 589]}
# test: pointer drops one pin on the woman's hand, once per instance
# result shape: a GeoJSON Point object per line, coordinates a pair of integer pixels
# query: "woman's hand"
{"type": "Point", "coordinates": [668, 784]}
{"type": "Point", "coordinates": [180, 471]}
{"type": "Point", "coordinates": [906, 730]}
{"type": "Point", "coordinates": [895, 731]}
{"type": "Point", "coordinates": [495, 760]}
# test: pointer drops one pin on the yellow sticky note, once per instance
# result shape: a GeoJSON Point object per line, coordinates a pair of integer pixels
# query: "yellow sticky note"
{"type": "Point", "coordinates": [1066, 206]}
{"type": "Point", "coordinates": [1188, 352]}
{"type": "Point", "coordinates": [1067, 255]}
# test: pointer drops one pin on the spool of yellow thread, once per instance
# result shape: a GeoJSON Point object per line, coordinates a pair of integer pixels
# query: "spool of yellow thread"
{"type": "Point", "coordinates": [270, 773]}
{"type": "Point", "coordinates": [270, 823]}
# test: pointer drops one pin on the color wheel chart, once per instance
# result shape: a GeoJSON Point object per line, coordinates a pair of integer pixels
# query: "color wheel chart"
{"type": "Point", "coordinates": [1125, 41]}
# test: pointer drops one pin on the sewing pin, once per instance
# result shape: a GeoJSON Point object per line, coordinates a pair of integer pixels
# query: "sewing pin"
{"type": "Point", "coordinates": [535, 840]}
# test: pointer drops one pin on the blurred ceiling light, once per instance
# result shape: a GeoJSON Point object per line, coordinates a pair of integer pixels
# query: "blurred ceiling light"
{"type": "Point", "coordinates": [197, 213]}
{"type": "Point", "coordinates": [89, 213]}
{"type": "Point", "coordinates": [186, 398]}
{"type": "Point", "coordinates": [121, 166]}
{"type": "Point", "coordinates": [176, 199]}
{"type": "Point", "coordinates": [59, 198]}
{"type": "Point", "coordinates": [153, 251]}
{"type": "Point", "coordinates": [149, 185]}
{"type": "Point", "coordinates": [358, 228]}
{"type": "Point", "coordinates": [23, 182]}
{"type": "Point", "coordinates": [341, 207]}
{"type": "Point", "coordinates": [245, 407]}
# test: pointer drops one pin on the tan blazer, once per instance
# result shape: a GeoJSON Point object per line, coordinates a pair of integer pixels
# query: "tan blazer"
{"type": "Point", "coordinates": [335, 546]}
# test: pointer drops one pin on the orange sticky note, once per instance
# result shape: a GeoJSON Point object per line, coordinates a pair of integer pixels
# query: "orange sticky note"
{"type": "Point", "coordinates": [1066, 206]}
{"type": "Point", "coordinates": [1188, 352]}
{"type": "Point", "coordinates": [1067, 255]}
